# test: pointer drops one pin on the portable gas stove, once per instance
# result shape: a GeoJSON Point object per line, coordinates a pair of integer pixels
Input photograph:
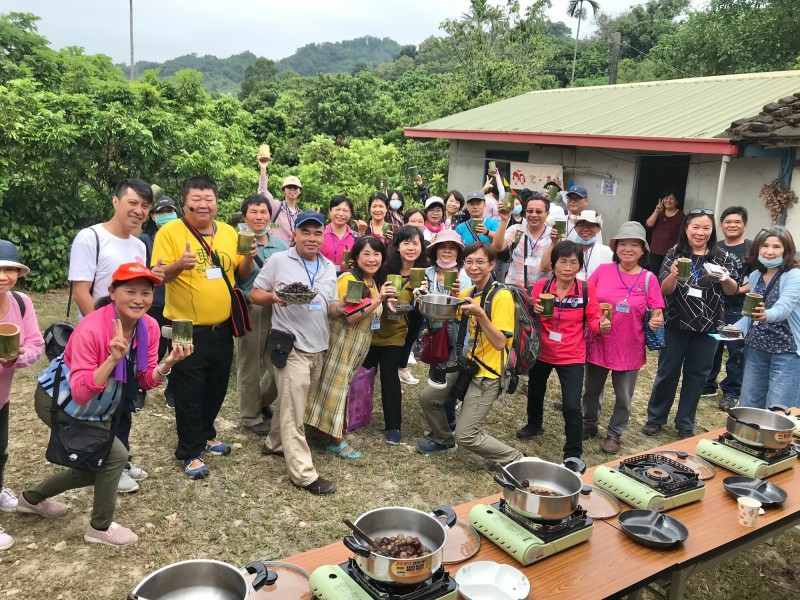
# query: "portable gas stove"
{"type": "Point", "coordinates": [526, 539]}
{"type": "Point", "coordinates": [651, 482]}
{"type": "Point", "coordinates": [347, 582]}
{"type": "Point", "coordinates": [750, 461]}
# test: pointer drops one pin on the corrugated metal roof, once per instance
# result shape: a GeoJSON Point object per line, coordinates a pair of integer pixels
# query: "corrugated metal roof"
{"type": "Point", "coordinates": [698, 108]}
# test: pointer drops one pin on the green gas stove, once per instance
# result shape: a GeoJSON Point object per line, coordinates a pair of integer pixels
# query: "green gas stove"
{"type": "Point", "coordinates": [528, 540]}
{"type": "Point", "coordinates": [749, 461]}
{"type": "Point", "coordinates": [651, 482]}
{"type": "Point", "coordinates": [347, 582]}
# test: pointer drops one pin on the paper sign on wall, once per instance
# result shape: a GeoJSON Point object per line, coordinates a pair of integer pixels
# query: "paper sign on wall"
{"type": "Point", "coordinates": [534, 177]}
{"type": "Point", "coordinates": [608, 187]}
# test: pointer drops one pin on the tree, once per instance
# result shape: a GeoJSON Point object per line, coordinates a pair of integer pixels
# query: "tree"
{"type": "Point", "coordinates": [576, 11]}
{"type": "Point", "coordinates": [258, 76]}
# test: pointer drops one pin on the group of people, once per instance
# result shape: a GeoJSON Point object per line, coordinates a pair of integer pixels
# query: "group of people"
{"type": "Point", "coordinates": [593, 304]}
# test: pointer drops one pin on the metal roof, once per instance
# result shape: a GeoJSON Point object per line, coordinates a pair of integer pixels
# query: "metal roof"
{"type": "Point", "coordinates": [677, 115]}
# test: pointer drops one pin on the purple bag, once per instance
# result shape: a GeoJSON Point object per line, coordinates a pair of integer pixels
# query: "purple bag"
{"type": "Point", "coordinates": [359, 399]}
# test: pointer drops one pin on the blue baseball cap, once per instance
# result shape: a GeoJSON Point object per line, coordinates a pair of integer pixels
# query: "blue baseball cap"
{"type": "Point", "coordinates": [309, 215]}
{"type": "Point", "coordinates": [578, 189]}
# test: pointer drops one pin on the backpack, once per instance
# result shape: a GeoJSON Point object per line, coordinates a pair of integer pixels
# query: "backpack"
{"type": "Point", "coordinates": [527, 340]}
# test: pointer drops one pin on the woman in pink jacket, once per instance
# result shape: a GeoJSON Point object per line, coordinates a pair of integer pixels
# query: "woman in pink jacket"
{"type": "Point", "coordinates": [17, 309]}
{"type": "Point", "coordinates": [111, 350]}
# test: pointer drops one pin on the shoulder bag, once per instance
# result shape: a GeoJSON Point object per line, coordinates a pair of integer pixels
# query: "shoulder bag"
{"type": "Point", "coordinates": [654, 340]}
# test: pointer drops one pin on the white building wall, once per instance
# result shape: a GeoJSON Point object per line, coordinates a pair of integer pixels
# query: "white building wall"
{"type": "Point", "coordinates": [743, 180]}
{"type": "Point", "coordinates": [793, 214]}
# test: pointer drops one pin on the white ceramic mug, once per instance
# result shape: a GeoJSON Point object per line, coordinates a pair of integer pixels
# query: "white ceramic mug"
{"type": "Point", "coordinates": [748, 511]}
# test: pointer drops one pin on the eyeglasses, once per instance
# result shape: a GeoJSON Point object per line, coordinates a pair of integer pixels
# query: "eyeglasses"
{"type": "Point", "coordinates": [702, 211]}
{"type": "Point", "coordinates": [535, 212]}
{"type": "Point", "coordinates": [480, 262]}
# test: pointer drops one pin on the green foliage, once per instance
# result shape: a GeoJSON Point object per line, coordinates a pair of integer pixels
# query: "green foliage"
{"type": "Point", "coordinates": [340, 57]}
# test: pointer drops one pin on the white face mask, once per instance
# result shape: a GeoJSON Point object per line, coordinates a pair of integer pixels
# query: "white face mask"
{"type": "Point", "coordinates": [395, 204]}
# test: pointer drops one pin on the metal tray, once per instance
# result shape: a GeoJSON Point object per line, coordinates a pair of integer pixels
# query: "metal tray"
{"type": "Point", "coordinates": [765, 492]}
{"type": "Point", "coordinates": [653, 529]}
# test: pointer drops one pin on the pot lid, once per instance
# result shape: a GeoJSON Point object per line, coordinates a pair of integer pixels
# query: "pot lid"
{"type": "Point", "coordinates": [598, 503]}
{"type": "Point", "coordinates": [703, 468]}
{"type": "Point", "coordinates": [463, 542]}
{"type": "Point", "coordinates": [292, 583]}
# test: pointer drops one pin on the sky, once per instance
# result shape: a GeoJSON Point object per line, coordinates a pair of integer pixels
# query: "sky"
{"type": "Point", "coordinates": [165, 29]}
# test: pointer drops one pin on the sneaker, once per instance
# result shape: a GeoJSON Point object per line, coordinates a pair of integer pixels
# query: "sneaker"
{"type": "Point", "coordinates": [708, 393]}
{"type": "Point", "coordinates": [557, 405]}
{"type": "Point", "coordinates": [651, 428]}
{"type": "Point", "coordinates": [320, 487]}
{"type": "Point", "coordinates": [728, 401]}
{"type": "Point", "coordinates": [126, 484]}
{"type": "Point", "coordinates": [218, 448]}
{"type": "Point", "coordinates": [393, 437]}
{"type": "Point", "coordinates": [266, 411]}
{"type": "Point", "coordinates": [406, 377]}
{"type": "Point", "coordinates": [612, 445]}
{"type": "Point", "coordinates": [261, 429]}
{"type": "Point", "coordinates": [411, 359]}
{"type": "Point", "coordinates": [200, 472]}
{"type": "Point", "coordinates": [169, 399]}
{"type": "Point", "coordinates": [138, 403]}
{"type": "Point", "coordinates": [685, 433]}
{"type": "Point", "coordinates": [589, 433]}
{"type": "Point", "coordinates": [135, 473]}
{"type": "Point", "coordinates": [8, 500]}
{"type": "Point", "coordinates": [267, 452]}
{"type": "Point", "coordinates": [116, 535]}
{"type": "Point", "coordinates": [530, 431]}
{"type": "Point", "coordinates": [431, 447]}
{"type": "Point", "coordinates": [48, 508]}
{"type": "Point", "coordinates": [6, 541]}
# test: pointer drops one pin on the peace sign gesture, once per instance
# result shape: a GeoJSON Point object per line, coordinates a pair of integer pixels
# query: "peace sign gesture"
{"type": "Point", "coordinates": [118, 346]}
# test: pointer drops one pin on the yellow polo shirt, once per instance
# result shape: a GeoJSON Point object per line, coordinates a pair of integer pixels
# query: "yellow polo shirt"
{"type": "Point", "coordinates": [192, 295]}
{"type": "Point", "coordinates": [394, 328]}
{"type": "Point", "coordinates": [502, 317]}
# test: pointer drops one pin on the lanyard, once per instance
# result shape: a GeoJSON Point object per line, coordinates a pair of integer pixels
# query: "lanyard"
{"type": "Point", "coordinates": [536, 243]}
{"type": "Point", "coordinates": [586, 262]}
{"type": "Point", "coordinates": [291, 217]}
{"type": "Point", "coordinates": [630, 289]}
{"type": "Point", "coordinates": [697, 272]}
{"type": "Point", "coordinates": [471, 227]}
{"type": "Point", "coordinates": [336, 242]}
{"type": "Point", "coordinates": [560, 302]}
{"type": "Point", "coordinates": [310, 278]}
{"type": "Point", "coordinates": [767, 288]}
{"type": "Point", "coordinates": [568, 229]}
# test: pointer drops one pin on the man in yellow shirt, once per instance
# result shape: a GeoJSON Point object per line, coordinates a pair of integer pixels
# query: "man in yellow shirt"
{"type": "Point", "coordinates": [490, 337]}
{"type": "Point", "coordinates": [196, 290]}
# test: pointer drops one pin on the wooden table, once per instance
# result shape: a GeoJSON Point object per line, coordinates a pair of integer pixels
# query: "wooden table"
{"type": "Point", "coordinates": [610, 564]}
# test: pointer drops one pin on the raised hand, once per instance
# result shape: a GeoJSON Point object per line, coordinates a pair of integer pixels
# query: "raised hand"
{"type": "Point", "coordinates": [158, 270]}
{"type": "Point", "coordinates": [118, 346]}
{"type": "Point", "coordinates": [178, 353]}
{"type": "Point", "coordinates": [387, 291]}
{"type": "Point", "coordinates": [187, 259]}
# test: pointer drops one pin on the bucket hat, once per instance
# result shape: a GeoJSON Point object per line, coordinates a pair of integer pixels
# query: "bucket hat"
{"type": "Point", "coordinates": [9, 257]}
{"type": "Point", "coordinates": [445, 235]}
{"type": "Point", "coordinates": [292, 180]}
{"type": "Point", "coordinates": [630, 230]}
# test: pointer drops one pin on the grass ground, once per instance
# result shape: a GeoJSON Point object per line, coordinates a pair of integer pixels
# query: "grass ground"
{"type": "Point", "coordinates": [248, 509]}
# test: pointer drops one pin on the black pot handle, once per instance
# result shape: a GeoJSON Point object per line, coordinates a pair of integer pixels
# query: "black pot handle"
{"type": "Point", "coordinates": [781, 408]}
{"type": "Point", "coordinates": [504, 483]}
{"type": "Point", "coordinates": [575, 464]}
{"type": "Point", "coordinates": [446, 511]}
{"type": "Point", "coordinates": [354, 546]}
{"type": "Point", "coordinates": [740, 422]}
{"type": "Point", "coordinates": [263, 576]}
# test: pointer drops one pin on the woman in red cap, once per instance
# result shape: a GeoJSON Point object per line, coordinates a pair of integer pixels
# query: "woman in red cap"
{"type": "Point", "coordinates": [113, 350]}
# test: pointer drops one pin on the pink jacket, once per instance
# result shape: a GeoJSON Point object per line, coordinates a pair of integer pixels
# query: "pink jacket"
{"type": "Point", "coordinates": [31, 343]}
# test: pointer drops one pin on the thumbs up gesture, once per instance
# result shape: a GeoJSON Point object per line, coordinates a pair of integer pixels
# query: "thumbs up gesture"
{"type": "Point", "coordinates": [187, 259]}
{"type": "Point", "coordinates": [158, 270]}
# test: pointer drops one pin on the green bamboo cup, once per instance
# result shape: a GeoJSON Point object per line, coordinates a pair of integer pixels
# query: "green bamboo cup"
{"type": "Point", "coordinates": [244, 243]}
{"type": "Point", "coordinates": [416, 278]}
{"type": "Point", "coordinates": [449, 279]}
{"type": "Point", "coordinates": [548, 301]}
{"type": "Point", "coordinates": [397, 283]}
{"type": "Point", "coordinates": [182, 331]}
{"type": "Point", "coordinates": [684, 268]}
{"type": "Point", "coordinates": [355, 292]}
{"type": "Point", "coordinates": [561, 227]}
{"type": "Point", "coordinates": [413, 173]}
{"type": "Point", "coordinates": [9, 341]}
{"type": "Point", "coordinates": [751, 302]}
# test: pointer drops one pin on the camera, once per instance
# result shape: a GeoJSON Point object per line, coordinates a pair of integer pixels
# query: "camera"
{"type": "Point", "coordinates": [466, 370]}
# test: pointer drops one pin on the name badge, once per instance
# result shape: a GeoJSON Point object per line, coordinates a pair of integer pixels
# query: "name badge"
{"type": "Point", "coordinates": [315, 305]}
{"type": "Point", "coordinates": [695, 292]}
{"type": "Point", "coordinates": [376, 324]}
{"type": "Point", "coordinates": [555, 336]}
{"type": "Point", "coordinates": [394, 317]}
{"type": "Point", "coordinates": [531, 262]}
{"type": "Point", "coordinates": [623, 308]}
{"type": "Point", "coordinates": [214, 273]}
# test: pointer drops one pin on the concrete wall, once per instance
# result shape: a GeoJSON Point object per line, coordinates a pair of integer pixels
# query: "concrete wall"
{"type": "Point", "coordinates": [743, 181]}
{"type": "Point", "coordinates": [793, 214]}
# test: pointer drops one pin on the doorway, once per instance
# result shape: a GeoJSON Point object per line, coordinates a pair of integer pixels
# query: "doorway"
{"type": "Point", "coordinates": [654, 175]}
{"type": "Point", "coordinates": [503, 159]}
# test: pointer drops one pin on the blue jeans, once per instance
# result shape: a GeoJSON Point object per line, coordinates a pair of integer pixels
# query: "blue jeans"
{"type": "Point", "coordinates": [770, 379]}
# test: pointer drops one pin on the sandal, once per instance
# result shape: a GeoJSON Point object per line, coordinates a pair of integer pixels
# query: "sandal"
{"type": "Point", "coordinates": [340, 451]}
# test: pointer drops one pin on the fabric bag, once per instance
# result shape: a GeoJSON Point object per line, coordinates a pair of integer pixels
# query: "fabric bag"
{"type": "Point", "coordinates": [78, 445]}
{"type": "Point", "coordinates": [654, 340]}
{"type": "Point", "coordinates": [435, 346]}
{"type": "Point", "coordinates": [359, 399]}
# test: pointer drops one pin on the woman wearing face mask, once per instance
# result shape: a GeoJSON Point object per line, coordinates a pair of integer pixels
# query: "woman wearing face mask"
{"type": "Point", "coordinates": [772, 342]}
{"type": "Point", "coordinates": [454, 209]}
{"type": "Point", "coordinates": [694, 309]}
{"type": "Point", "coordinates": [378, 208]}
{"type": "Point", "coordinates": [434, 215]}
{"type": "Point", "coordinates": [396, 203]}
{"type": "Point", "coordinates": [349, 343]}
{"type": "Point", "coordinates": [388, 350]}
{"type": "Point", "coordinates": [595, 254]}
{"type": "Point", "coordinates": [338, 234]}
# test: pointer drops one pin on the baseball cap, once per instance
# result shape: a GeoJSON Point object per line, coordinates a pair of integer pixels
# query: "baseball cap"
{"type": "Point", "coordinates": [476, 196]}
{"type": "Point", "coordinates": [292, 180]}
{"type": "Point", "coordinates": [309, 215]}
{"type": "Point", "coordinates": [9, 257]}
{"type": "Point", "coordinates": [578, 189]}
{"type": "Point", "coordinates": [133, 270]}
{"type": "Point", "coordinates": [165, 202]}
{"type": "Point", "coordinates": [590, 216]}
{"type": "Point", "coordinates": [434, 201]}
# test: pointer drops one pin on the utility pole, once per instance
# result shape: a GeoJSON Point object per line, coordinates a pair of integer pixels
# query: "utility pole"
{"type": "Point", "coordinates": [133, 68]}
{"type": "Point", "coordinates": [612, 73]}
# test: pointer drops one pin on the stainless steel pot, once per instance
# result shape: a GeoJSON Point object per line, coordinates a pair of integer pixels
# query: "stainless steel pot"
{"type": "Point", "coordinates": [388, 522]}
{"type": "Point", "coordinates": [760, 427]}
{"type": "Point", "coordinates": [562, 479]}
{"type": "Point", "coordinates": [202, 579]}
{"type": "Point", "coordinates": [439, 307]}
